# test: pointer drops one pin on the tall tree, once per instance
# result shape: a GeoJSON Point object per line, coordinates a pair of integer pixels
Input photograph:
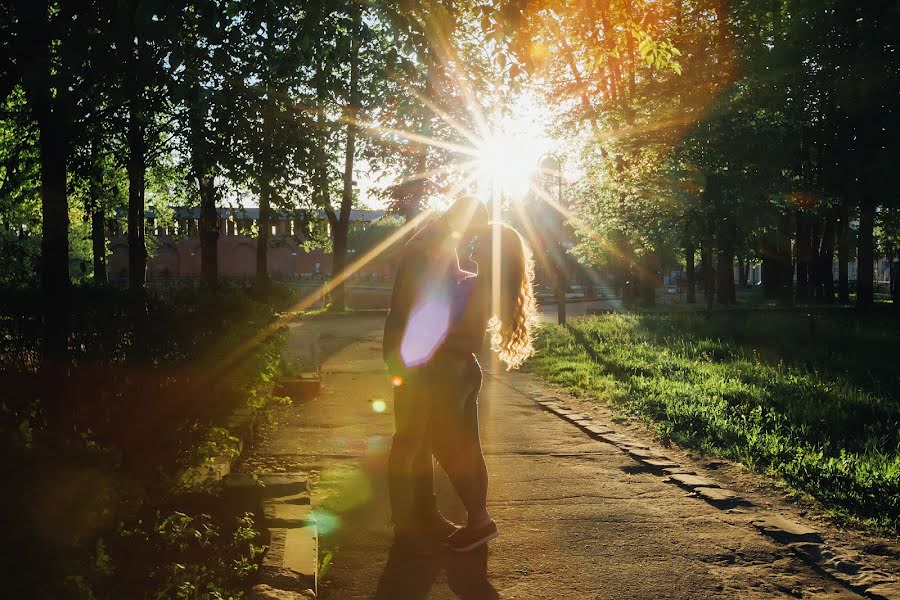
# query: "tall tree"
{"type": "Point", "coordinates": [271, 126]}
{"type": "Point", "coordinates": [49, 40]}
{"type": "Point", "coordinates": [144, 36]}
{"type": "Point", "coordinates": [202, 68]}
{"type": "Point", "coordinates": [340, 224]}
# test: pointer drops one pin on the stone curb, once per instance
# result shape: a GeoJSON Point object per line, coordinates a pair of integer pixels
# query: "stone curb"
{"type": "Point", "coordinates": [803, 541]}
{"type": "Point", "coordinates": [290, 566]}
{"type": "Point", "coordinates": [289, 570]}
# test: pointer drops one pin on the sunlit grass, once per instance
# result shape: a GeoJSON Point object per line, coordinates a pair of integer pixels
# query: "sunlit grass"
{"type": "Point", "coordinates": [728, 388]}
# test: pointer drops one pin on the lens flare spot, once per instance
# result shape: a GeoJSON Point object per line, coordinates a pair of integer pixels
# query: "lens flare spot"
{"type": "Point", "coordinates": [426, 328]}
{"type": "Point", "coordinates": [326, 522]}
{"type": "Point", "coordinates": [379, 405]}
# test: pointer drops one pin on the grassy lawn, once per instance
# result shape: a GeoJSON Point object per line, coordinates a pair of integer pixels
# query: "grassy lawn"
{"type": "Point", "coordinates": [815, 400]}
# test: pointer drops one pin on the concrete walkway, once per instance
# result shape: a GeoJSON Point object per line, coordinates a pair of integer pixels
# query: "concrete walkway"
{"type": "Point", "coordinates": [578, 517]}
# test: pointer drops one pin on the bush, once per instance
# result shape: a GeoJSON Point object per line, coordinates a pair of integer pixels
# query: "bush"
{"type": "Point", "coordinates": [90, 450]}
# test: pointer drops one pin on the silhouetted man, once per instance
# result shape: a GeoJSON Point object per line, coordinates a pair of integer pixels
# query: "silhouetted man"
{"type": "Point", "coordinates": [425, 267]}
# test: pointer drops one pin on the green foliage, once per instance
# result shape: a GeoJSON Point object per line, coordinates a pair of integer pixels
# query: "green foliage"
{"type": "Point", "coordinates": [187, 557]}
{"type": "Point", "coordinates": [326, 565]}
{"type": "Point", "coordinates": [20, 217]}
{"type": "Point", "coordinates": [208, 443]}
{"type": "Point", "coordinates": [363, 236]}
{"type": "Point", "coordinates": [148, 396]}
{"type": "Point", "coordinates": [815, 404]}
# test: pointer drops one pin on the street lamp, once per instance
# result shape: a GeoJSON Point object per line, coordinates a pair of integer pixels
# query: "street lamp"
{"type": "Point", "coordinates": [552, 163]}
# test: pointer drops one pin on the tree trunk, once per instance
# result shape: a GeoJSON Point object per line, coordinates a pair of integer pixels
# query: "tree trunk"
{"type": "Point", "coordinates": [826, 259]}
{"type": "Point", "coordinates": [769, 276]}
{"type": "Point", "coordinates": [320, 171]}
{"type": "Point", "coordinates": [208, 223]}
{"type": "Point", "coordinates": [136, 167]}
{"type": "Point", "coordinates": [262, 241]}
{"type": "Point", "coordinates": [54, 242]}
{"type": "Point", "coordinates": [689, 252]}
{"type": "Point", "coordinates": [208, 232]}
{"type": "Point", "coordinates": [895, 282]}
{"type": "Point", "coordinates": [54, 210]}
{"type": "Point", "coordinates": [35, 40]}
{"type": "Point", "coordinates": [804, 258]}
{"type": "Point", "coordinates": [865, 274]}
{"type": "Point", "coordinates": [94, 209]}
{"type": "Point", "coordinates": [843, 253]}
{"type": "Point", "coordinates": [785, 279]}
{"type": "Point", "coordinates": [709, 275]}
{"type": "Point", "coordinates": [725, 272]}
{"type": "Point", "coordinates": [416, 198]}
{"type": "Point", "coordinates": [632, 67]}
{"type": "Point", "coordinates": [339, 233]}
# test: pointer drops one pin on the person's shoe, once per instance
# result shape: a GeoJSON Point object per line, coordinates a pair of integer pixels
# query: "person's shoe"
{"type": "Point", "coordinates": [437, 527]}
{"type": "Point", "coordinates": [469, 538]}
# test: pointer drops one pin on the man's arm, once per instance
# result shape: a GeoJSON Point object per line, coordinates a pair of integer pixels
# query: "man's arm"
{"type": "Point", "coordinates": [395, 323]}
{"type": "Point", "coordinates": [415, 255]}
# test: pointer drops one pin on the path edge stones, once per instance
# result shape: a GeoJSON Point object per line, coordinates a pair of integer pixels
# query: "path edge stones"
{"type": "Point", "coordinates": [289, 568]}
{"type": "Point", "coordinates": [796, 537]}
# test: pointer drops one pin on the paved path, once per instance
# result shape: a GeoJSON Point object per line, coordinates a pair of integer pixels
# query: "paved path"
{"type": "Point", "coordinates": [577, 518]}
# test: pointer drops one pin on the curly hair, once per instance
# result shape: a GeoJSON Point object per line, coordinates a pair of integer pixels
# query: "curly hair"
{"type": "Point", "coordinates": [511, 329]}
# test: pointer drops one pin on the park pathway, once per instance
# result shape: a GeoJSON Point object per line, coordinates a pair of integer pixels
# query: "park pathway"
{"type": "Point", "coordinates": [578, 518]}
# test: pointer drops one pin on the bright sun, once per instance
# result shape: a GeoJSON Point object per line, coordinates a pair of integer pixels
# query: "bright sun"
{"type": "Point", "coordinates": [510, 150]}
{"type": "Point", "coordinates": [508, 163]}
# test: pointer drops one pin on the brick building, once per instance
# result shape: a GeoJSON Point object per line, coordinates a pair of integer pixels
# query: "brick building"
{"type": "Point", "coordinates": [175, 249]}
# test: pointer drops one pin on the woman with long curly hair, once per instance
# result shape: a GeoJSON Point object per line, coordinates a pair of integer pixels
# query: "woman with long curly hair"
{"type": "Point", "coordinates": [500, 298]}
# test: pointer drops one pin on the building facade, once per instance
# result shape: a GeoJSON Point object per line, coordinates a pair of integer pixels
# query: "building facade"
{"type": "Point", "coordinates": [174, 250]}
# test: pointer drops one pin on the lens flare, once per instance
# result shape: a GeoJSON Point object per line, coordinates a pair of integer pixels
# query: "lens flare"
{"type": "Point", "coordinates": [326, 522]}
{"type": "Point", "coordinates": [379, 405]}
{"type": "Point", "coordinates": [426, 328]}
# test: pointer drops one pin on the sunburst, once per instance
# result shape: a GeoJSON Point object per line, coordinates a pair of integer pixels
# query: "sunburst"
{"type": "Point", "coordinates": [500, 158]}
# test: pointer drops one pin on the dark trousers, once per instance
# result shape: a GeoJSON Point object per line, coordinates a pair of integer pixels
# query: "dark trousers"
{"type": "Point", "coordinates": [436, 411]}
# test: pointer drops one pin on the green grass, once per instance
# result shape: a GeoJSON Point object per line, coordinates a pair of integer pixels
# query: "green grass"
{"type": "Point", "coordinates": [812, 399]}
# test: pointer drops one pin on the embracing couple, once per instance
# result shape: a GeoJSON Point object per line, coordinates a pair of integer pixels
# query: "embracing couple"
{"type": "Point", "coordinates": [441, 305]}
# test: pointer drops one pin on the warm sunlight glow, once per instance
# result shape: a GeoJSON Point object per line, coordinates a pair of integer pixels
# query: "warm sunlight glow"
{"type": "Point", "coordinates": [504, 161]}
{"type": "Point", "coordinates": [508, 154]}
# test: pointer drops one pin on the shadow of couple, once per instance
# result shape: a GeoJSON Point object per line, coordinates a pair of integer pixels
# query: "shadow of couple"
{"type": "Point", "coordinates": [409, 576]}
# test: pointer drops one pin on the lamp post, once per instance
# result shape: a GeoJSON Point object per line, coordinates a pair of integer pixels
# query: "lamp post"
{"type": "Point", "coordinates": [552, 163]}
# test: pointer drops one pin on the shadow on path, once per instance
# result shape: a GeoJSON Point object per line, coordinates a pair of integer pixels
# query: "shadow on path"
{"type": "Point", "coordinates": [408, 576]}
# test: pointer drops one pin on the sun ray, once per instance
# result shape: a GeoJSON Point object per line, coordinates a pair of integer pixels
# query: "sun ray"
{"type": "Point", "coordinates": [460, 185]}
{"type": "Point", "coordinates": [384, 132]}
{"type": "Point", "coordinates": [445, 169]}
{"type": "Point", "coordinates": [532, 234]}
{"type": "Point", "coordinates": [309, 300]}
{"type": "Point", "coordinates": [496, 207]}
{"type": "Point", "coordinates": [452, 121]}
{"type": "Point", "coordinates": [636, 130]}
{"type": "Point", "coordinates": [588, 232]}
{"type": "Point", "coordinates": [450, 62]}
